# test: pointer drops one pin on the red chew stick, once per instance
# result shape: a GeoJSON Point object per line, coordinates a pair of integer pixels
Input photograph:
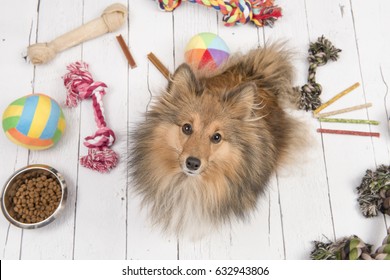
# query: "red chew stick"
{"type": "Point", "coordinates": [348, 132]}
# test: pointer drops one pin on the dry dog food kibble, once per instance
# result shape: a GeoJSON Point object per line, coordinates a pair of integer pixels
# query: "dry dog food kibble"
{"type": "Point", "coordinates": [34, 196]}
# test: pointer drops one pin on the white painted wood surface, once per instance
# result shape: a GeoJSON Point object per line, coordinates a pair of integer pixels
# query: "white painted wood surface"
{"type": "Point", "coordinates": [103, 220]}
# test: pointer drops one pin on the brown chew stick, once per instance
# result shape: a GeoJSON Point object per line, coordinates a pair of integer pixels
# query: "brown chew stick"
{"type": "Point", "coordinates": [156, 62]}
{"type": "Point", "coordinates": [126, 51]}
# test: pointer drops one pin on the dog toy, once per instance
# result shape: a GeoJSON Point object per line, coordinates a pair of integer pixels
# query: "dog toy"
{"type": "Point", "coordinates": [80, 85]}
{"type": "Point", "coordinates": [351, 248]}
{"type": "Point", "coordinates": [206, 49]}
{"type": "Point", "coordinates": [260, 12]}
{"type": "Point", "coordinates": [374, 196]}
{"type": "Point", "coordinates": [374, 192]}
{"type": "Point", "coordinates": [111, 20]}
{"type": "Point", "coordinates": [319, 54]}
{"type": "Point", "coordinates": [34, 121]}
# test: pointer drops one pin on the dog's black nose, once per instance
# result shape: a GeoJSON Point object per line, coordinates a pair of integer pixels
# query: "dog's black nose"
{"type": "Point", "coordinates": [193, 163]}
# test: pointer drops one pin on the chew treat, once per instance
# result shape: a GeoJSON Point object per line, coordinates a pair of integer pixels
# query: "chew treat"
{"type": "Point", "coordinates": [34, 121]}
{"type": "Point", "coordinates": [345, 110]}
{"type": "Point", "coordinates": [156, 62]}
{"type": "Point", "coordinates": [111, 20]}
{"type": "Point", "coordinates": [348, 132]}
{"type": "Point", "coordinates": [335, 98]}
{"type": "Point", "coordinates": [126, 51]}
{"type": "Point", "coordinates": [336, 120]}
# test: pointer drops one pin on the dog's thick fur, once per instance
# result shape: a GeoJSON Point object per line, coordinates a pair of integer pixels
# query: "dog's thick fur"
{"type": "Point", "coordinates": [232, 121]}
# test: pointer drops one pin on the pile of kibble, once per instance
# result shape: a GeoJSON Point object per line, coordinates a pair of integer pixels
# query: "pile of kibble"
{"type": "Point", "coordinates": [34, 196]}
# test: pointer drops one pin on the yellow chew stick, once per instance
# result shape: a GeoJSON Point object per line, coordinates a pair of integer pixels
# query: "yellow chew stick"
{"type": "Point", "coordinates": [337, 97]}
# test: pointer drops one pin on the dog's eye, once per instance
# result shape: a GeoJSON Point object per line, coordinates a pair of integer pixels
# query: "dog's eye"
{"type": "Point", "coordinates": [187, 129]}
{"type": "Point", "coordinates": [216, 138]}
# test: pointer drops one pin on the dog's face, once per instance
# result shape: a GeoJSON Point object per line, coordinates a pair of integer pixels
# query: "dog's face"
{"type": "Point", "coordinates": [200, 144]}
{"type": "Point", "coordinates": [202, 123]}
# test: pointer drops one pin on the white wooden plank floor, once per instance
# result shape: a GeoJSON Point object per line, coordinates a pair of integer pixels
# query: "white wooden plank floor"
{"type": "Point", "coordinates": [102, 219]}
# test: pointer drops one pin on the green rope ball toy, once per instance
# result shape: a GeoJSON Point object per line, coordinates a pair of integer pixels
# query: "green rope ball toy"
{"type": "Point", "coordinates": [374, 192]}
{"type": "Point", "coordinates": [350, 248]}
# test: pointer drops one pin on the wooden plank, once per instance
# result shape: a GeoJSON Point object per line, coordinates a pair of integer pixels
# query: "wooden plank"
{"type": "Point", "coordinates": [304, 220]}
{"type": "Point", "coordinates": [202, 19]}
{"type": "Point", "coordinates": [373, 42]}
{"type": "Point", "coordinates": [152, 33]}
{"type": "Point", "coordinates": [228, 242]}
{"type": "Point", "coordinates": [261, 236]}
{"type": "Point", "coordinates": [346, 158]}
{"type": "Point", "coordinates": [16, 77]}
{"type": "Point", "coordinates": [308, 201]}
{"type": "Point", "coordinates": [56, 18]}
{"type": "Point", "coordinates": [101, 200]}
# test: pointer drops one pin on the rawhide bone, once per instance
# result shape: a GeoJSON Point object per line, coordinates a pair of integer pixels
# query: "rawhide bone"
{"type": "Point", "coordinates": [111, 20]}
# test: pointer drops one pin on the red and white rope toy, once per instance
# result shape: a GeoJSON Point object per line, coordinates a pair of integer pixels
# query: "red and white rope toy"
{"type": "Point", "coordinates": [80, 85]}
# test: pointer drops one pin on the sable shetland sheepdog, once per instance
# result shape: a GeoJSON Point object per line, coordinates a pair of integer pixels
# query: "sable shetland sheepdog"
{"type": "Point", "coordinates": [211, 141]}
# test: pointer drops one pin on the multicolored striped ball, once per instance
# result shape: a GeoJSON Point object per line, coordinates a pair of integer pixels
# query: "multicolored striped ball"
{"type": "Point", "coordinates": [34, 121]}
{"type": "Point", "coordinates": [206, 50]}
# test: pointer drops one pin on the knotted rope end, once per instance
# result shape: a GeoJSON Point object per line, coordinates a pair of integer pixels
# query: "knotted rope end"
{"type": "Point", "coordinates": [100, 159]}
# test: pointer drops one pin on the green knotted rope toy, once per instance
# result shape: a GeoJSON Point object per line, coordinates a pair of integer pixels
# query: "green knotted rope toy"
{"type": "Point", "coordinates": [374, 192]}
{"type": "Point", "coordinates": [320, 52]}
{"type": "Point", "coordinates": [351, 248]}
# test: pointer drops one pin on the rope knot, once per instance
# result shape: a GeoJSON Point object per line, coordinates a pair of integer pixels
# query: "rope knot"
{"type": "Point", "coordinates": [80, 84]}
{"type": "Point", "coordinates": [101, 159]}
{"type": "Point", "coordinates": [320, 52]}
{"type": "Point", "coordinates": [260, 12]}
{"type": "Point", "coordinates": [114, 16]}
{"type": "Point", "coordinates": [102, 137]}
{"type": "Point", "coordinates": [237, 12]}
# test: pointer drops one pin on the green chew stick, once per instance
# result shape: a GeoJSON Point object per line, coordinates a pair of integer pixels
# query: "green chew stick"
{"type": "Point", "coordinates": [336, 120]}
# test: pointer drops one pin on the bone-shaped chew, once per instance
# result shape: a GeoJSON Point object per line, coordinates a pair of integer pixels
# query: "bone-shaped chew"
{"type": "Point", "coordinates": [111, 20]}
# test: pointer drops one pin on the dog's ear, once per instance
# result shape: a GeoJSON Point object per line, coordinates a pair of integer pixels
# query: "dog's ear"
{"type": "Point", "coordinates": [240, 101]}
{"type": "Point", "coordinates": [184, 80]}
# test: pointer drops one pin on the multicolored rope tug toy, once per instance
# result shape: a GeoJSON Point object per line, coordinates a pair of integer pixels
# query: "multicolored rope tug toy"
{"type": "Point", "coordinates": [351, 248]}
{"type": "Point", "coordinates": [80, 85]}
{"type": "Point", "coordinates": [319, 54]}
{"type": "Point", "coordinates": [260, 12]}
